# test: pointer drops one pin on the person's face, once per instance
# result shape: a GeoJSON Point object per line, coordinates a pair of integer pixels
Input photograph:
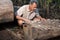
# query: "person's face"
{"type": "Point", "coordinates": [33, 6]}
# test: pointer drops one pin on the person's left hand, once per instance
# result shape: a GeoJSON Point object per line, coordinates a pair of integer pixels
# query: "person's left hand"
{"type": "Point", "coordinates": [43, 19]}
{"type": "Point", "coordinates": [36, 19]}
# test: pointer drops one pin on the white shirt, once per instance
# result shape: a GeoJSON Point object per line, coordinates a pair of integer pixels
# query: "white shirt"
{"type": "Point", "coordinates": [24, 10]}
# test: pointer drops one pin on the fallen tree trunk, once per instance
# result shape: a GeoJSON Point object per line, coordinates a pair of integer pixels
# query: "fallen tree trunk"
{"type": "Point", "coordinates": [6, 11]}
{"type": "Point", "coordinates": [42, 30]}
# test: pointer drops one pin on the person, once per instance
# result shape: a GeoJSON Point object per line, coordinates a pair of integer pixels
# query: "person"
{"type": "Point", "coordinates": [28, 13]}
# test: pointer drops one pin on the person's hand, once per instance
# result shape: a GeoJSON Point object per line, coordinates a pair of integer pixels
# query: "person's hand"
{"type": "Point", "coordinates": [27, 21]}
{"type": "Point", "coordinates": [43, 19]}
{"type": "Point", "coordinates": [36, 19]}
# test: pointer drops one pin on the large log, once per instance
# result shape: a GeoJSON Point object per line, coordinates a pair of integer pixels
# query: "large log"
{"type": "Point", "coordinates": [6, 11]}
{"type": "Point", "coordinates": [42, 30]}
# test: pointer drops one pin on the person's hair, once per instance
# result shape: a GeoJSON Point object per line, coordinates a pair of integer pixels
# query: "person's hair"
{"type": "Point", "coordinates": [31, 2]}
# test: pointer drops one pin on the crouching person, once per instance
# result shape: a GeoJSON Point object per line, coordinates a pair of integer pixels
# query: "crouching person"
{"type": "Point", "coordinates": [28, 13]}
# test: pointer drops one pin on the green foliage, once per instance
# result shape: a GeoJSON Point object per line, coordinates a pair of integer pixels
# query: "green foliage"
{"type": "Point", "coordinates": [59, 3]}
{"type": "Point", "coordinates": [47, 2]}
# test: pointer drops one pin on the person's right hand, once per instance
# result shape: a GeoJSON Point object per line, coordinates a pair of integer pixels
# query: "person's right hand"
{"type": "Point", "coordinates": [27, 21]}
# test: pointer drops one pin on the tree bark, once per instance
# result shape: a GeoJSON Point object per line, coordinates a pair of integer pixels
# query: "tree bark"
{"type": "Point", "coordinates": [6, 11]}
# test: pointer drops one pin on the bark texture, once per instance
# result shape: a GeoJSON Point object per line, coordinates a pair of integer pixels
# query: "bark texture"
{"type": "Point", "coordinates": [42, 30]}
{"type": "Point", "coordinates": [6, 11]}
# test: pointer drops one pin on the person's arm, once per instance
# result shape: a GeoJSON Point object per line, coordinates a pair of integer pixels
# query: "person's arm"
{"type": "Point", "coordinates": [20, 13]}
{"type": "Point", "coordinates": [42, 19]}
{"type": "Point", "coordinates": [23, 19]}
{"type": "Point", "coordinates": [38, 16]}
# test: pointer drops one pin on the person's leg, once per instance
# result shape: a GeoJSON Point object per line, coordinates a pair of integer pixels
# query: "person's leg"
{"type": "Point", "coordinates": [20, 22]}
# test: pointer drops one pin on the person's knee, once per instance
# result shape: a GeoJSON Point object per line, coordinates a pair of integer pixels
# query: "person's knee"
{"type": "Point", "coordinates": [20, 22]}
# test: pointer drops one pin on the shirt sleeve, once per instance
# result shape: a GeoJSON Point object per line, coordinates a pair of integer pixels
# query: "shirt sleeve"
{"type": "Point", "coordinates": [37, 12]}
{"type": "Point", "coordinates": [20, 11]}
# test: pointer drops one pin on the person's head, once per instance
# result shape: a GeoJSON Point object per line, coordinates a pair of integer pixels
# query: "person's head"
{"type": "Point", "coordinates": [33, 5]}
